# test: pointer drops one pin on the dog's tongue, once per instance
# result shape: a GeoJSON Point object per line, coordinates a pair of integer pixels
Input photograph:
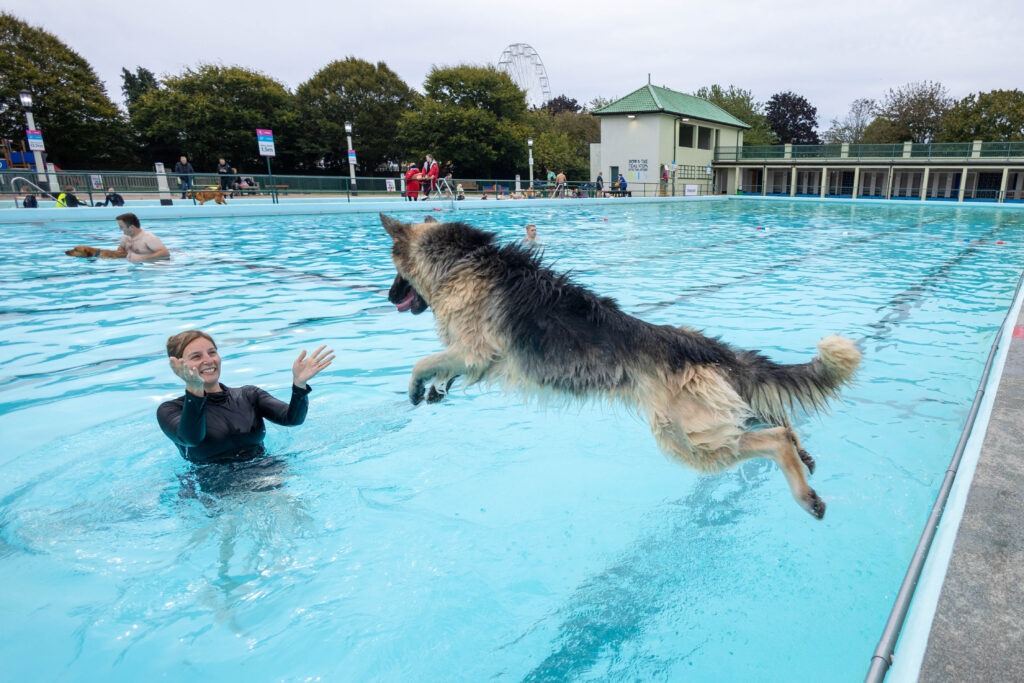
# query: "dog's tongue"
{"type": "Point", "coordinates": [406, 303]}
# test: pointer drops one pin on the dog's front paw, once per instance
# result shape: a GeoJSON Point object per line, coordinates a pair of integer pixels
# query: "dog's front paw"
{"type": "Point", "coordinates": [437, 392]}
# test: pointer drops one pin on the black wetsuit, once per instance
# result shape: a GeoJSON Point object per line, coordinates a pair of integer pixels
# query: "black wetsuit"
{"type": "Point", "coordinates": [228, 426]}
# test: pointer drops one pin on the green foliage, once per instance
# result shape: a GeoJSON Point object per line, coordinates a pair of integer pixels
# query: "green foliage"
{"type": "Point", "coordinates": [372, 97]}
{"type": "Point", "coordinates": [851, 129]}
{"type": "Point", "coordinates": [914, 111]}
{"type": "Point", "coordinates": [133, 85]}
{"type": "Point", "coordinates": [81, 126]}
{"type": "Point", "coordinates": [213, 112]}
{"type": "Point", "coordinates": [741, 104]}
{"type": "Point", "coordinates": [883, 132]}
{"type": "Point", "coordinates": [479, 87]}
{"type": "Point", "coordinates": [792, 119]}
{"type": "Point", "coordinates": [472, 116]}
{"type": "Point", "coordinates": [562, 142]}
{"type": "Point", "coordinates": [995, 116]}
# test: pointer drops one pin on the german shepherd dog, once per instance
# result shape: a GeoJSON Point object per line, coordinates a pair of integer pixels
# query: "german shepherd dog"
{"type": "Point", "coordinates": [506, 318]}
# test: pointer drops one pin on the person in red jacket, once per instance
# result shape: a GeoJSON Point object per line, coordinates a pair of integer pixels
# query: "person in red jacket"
{"type": "Point", "coordinates": [412, 183]}
{"type": "Point", "coordinates": [431, 172]}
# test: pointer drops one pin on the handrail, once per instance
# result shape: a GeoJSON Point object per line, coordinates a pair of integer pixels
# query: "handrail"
{"type": "Point", "coordinates": [45, 193]}
{"type": "Point", "coordinates": [882, 658]}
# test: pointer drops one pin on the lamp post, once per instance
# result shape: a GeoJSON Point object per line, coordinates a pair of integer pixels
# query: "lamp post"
{"type": "Point", "coordinates": [351, 158]}
{"type": "Point", "coordinates": [529, 144]}
{"type": "Point", "coordinates": [26, 102]}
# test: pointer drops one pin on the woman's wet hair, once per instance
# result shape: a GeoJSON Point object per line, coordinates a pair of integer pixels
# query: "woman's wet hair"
{"type": "Point", "coordinates": [177, 343]}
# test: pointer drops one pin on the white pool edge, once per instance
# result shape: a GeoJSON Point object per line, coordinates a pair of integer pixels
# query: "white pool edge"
{"type": "Point", "coordinates": [910, 650]}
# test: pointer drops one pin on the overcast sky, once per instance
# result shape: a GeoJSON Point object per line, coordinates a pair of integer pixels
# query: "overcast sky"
{"type": "Point", "coordinates": [829, 52]}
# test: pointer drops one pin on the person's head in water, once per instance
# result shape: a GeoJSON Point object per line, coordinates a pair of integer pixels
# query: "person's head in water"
{"type": "Point", "coordinates": [197, 350]}
{"type": "Point", "coordinates": [531, 232]}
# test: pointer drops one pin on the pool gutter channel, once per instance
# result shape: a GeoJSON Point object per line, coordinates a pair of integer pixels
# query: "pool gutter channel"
{"type": "Point", "coordinates": [882, 659]}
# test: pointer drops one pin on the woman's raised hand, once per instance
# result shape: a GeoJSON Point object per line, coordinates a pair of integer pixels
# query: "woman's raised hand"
{"type": "Point", "coordinates": [193, 383]}
{"type": "Point", "coordinates": [306, 367]}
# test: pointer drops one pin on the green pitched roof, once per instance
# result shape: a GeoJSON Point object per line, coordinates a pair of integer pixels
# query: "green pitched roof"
{"type": "Point", "coordinates": [651, 99]}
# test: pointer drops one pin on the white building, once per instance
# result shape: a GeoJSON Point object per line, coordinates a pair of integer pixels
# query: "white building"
{"type": "Point", "coordinates": [656, 129]}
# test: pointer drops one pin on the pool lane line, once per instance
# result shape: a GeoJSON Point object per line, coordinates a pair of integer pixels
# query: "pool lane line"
{"type": "Point", "coordinates": [753, 275]}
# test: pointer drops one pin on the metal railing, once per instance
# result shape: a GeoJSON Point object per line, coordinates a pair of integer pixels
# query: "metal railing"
{"type": "Point", "coordinates": [93, 185]}
{"type": "Point", "coordinates": [886, 152]}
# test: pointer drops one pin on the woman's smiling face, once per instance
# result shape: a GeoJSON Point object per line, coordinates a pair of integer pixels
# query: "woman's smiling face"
{"type": "Point", "coordinates": [201, 355]}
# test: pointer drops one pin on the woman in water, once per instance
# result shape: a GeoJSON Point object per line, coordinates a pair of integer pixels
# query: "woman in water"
{"type": "Point", "coordinates": [213, 423]}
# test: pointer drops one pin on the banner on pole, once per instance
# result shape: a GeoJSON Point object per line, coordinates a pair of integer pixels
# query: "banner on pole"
{"type": "Point", "coordinates": [265, 140]}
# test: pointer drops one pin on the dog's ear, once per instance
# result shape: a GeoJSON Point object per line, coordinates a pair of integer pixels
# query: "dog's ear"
{"type": "Point", "coordinates": [397, 229]}
{"type": "Point", "coordinates": [429, 219]}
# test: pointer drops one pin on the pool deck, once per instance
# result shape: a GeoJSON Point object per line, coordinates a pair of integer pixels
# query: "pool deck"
{"type": "Point", "coordinates": [978, 629]}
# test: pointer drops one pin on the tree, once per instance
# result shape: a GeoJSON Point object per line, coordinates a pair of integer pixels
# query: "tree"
{"type": "Point", "coordinates": [915, 110]}
{"type": "Point", "coordinates": [740, 103]}
{"type": "Point", "coordinates": [81, 126]}
{"type": "Point", "coordinates": [562, 141]}
{"type": "Point", "coordinates": [561, 103]}
{"type": "Point", "coordinates": [851, 129]}
{"type": "Point", "coordinates": [473, 116]}
{"type": "Point", "coordinates": [133, 85]}
{"type": "Point", "coordinates": [995, 116]}
{"type": "Point", "coordinates": [597, 103]}
{"type": "Point", "coordinates": [792, 119]}
{"type": "Point", "coordinates": [214, 111]}
{"type": "Point", "coordinates": [372, 97]}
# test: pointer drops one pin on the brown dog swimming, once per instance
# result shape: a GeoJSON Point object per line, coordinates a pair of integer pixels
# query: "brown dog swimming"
{"type": "Point", "coordinates": [506, 318]}
{"type": "Point", "coordinates": [95, 252]}
{"type": "Point", "coordinates": [203, 196]}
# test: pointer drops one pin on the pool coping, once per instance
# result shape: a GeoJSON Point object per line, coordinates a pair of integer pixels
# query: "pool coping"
{"type": "Point", "coordinates": [965, 623]}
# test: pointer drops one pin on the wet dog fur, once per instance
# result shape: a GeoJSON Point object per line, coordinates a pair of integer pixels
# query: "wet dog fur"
{"type": "Point", "coordinates": [95, 252]}
{"type": "Point", "coordinates": [506, 318]}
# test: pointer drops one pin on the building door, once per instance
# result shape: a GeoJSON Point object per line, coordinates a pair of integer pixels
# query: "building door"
{"type": "Point", "coordinates": [613, 177]}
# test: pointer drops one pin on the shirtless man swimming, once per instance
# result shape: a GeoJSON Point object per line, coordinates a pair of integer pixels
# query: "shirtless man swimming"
{"type": "Point", "coordinates": [139, 244]}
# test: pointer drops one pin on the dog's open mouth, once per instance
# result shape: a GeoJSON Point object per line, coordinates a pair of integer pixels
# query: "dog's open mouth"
{"type": "Point", "coordinates": [405, 297]}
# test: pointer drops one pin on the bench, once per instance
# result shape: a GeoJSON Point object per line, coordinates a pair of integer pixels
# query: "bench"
{"type": "Point", "coordinates": [272, 189]}
{"type": "Point", "coordinates": [468, 185]}
{"type": "Point", "coordinates": [616, 192]}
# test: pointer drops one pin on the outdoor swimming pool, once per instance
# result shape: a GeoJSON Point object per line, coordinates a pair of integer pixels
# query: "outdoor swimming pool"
{"type": "Point", "coordinates": [479, 538]}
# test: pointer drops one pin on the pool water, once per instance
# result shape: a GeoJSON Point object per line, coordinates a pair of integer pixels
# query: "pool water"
{"type": "Point", "coordinates": [481, 538]}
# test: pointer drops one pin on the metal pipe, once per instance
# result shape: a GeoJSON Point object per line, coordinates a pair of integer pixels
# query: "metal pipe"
{"type": "Point", "coordinates": [882, 658]}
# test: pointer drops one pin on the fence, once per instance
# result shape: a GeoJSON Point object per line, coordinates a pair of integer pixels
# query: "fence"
{"type": "Point", "coordinates": [93, 185]}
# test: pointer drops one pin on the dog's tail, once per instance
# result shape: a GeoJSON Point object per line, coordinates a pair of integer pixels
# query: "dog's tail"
{"type": "Point", "coordinates": [774, 390]}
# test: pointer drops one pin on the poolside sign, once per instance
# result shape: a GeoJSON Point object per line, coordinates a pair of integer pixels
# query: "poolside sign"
{"type": "Point", "coordinates": [265, 139]}
{"type": "Point", "coordinates": [35, 140]}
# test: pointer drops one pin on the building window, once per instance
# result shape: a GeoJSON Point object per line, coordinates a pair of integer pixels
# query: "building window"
{"type": "Point", "coordinates": [685, 135]}
{"type": "Point", "coordinates": [704, 137]}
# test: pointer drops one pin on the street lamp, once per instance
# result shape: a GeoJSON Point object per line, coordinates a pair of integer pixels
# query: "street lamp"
{"type": "Point", "coordinates": [26, 102]}
{"type": "Point", "coordinates": [529, 143]}
{"type": "Point", "coordinates": [351, 158]}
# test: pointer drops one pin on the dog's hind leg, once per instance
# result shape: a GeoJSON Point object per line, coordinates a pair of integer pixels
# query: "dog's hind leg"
{"type": "Point", "coordinates": [782, 445]}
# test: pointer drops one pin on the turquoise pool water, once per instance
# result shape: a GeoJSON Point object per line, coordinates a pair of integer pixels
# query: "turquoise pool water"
{"type": "Point", "coordinates": [480, 538]}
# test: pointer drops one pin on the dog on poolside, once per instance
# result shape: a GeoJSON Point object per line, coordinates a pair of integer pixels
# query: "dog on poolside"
{"type": "Point", "coordinates": [95, 252]}
{"type": "Point", "coordinates": [203, 196]}
{"type": "Point", "coordinates": [505, 317]}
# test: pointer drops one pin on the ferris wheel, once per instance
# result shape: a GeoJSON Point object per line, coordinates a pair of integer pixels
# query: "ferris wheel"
{"type": "Point", "coordinates": [523, 64]}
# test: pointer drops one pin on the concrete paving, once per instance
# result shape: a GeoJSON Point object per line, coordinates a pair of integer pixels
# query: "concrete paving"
{"type": "Point", "coordinates": [978, 630]}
